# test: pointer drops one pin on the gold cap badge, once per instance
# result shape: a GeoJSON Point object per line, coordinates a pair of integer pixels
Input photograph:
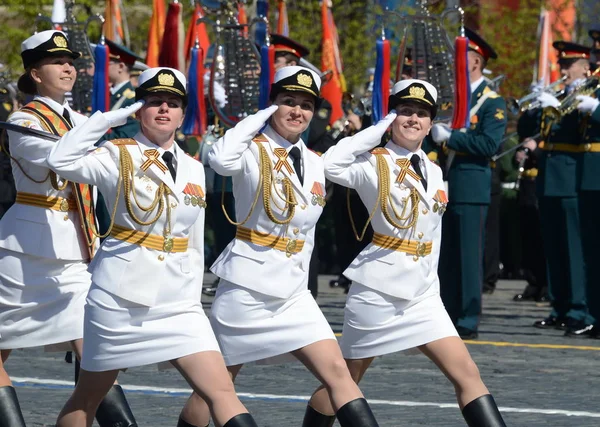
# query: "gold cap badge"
{"type": "Point", "coordinates": [304, 80]}
{"type": "Point", "coordinates": [166, 79]}
{"type": "Point", "coordinates": [60, 41]}
{"type": "Point", "coordinates": [417, 92]}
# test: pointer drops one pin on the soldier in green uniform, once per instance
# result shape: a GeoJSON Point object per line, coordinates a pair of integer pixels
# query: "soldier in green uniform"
{"type": "Point", "coordinates": [589, 196]}
{"type": "Point", "coordinates": [469, 181]}
{"type": "Point", "coordinates": [558, 186]}
{"type": "Point", "coordinates": [122, 92]}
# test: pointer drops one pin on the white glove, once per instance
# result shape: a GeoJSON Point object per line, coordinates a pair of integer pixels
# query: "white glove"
{"type": "Point", "coordinates": [547, 100]}
{"type": "Point", "coordinates": [440, 132]}
{"type": "Point", "coordinates": [587, 104]}
{"type": "Point", "coordinates": [119, 117]}
{"type": "Point", "coordinates": [248, 128]}
{"type": "Point", "coordinates": [371, 136]}
{"type": "Point", "coordinates": [218, 92]}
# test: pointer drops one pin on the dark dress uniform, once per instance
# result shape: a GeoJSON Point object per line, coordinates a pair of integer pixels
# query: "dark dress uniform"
{"type": "Point", "coordinates": [558, 185]}
{"type": "Point", "coordinates": [589, 206]}
{"type": "Point", "coordinates": [469, 188]}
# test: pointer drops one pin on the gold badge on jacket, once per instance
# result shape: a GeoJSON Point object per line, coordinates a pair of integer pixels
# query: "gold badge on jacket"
{"type": "Point", "coordinates": [318, 192]}
{"type": "Point", "coordinates": [194, 195]}
{"type": "Point", "coordinates": [441, 201]}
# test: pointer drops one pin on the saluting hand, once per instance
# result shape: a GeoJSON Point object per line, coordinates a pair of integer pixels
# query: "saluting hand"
{"type": "Point", "coordinates": [587, 104]}
{"type": "Point", "coordinates": [249, 127]}
{"type": "Point", "coordinates": [119, 117]}
{"type": "Point", "coordinates": [373, 133]}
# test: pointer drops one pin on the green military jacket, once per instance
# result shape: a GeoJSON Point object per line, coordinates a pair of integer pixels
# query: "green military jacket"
{"type": "Point", "coordinates": [558, 170]}
{"type": "Point", "coordinates": [590, 161]}
{"type": "Point", "coordinates": [469, 176]}
{"type": "Point", "coordinates": [124, 97]}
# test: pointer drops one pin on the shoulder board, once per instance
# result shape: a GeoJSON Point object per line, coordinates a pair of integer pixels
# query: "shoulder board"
{"type": "Point", "coordinates": [124, 141]}
{"type": "Point", "coordinates": [128, 93]}
{"type": "Point", "coordinates": [492, 95]}
{"type": "Point", "coordinates": [316, 152]}
{"type": "Point", "coordinates": [260, 138]}
{"type": "Point", "coordinates": [379, 150]}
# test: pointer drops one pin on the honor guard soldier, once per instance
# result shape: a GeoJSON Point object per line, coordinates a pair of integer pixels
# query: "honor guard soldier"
{"type": "Point", "coordinates": [469, 187]}
{"type": "Point", "coordinates": [45, 238]}
{"type": "Point", "coordinates": [144, 303]}
{"type": "Point", "coordinates": [394, 303]}
{"type": "Point", "coordinates": [287, 51]}
{"type": "Point", "coordinates": [263, 309]}
{"type": "Point", "coordinates": [122, 91]}
{"type": "Point", "coordinates": [559, 183]}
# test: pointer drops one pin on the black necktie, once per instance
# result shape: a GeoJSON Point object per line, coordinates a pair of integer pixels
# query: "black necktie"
{"type": "Point", "coordinates": [297, 160]}
{"type": "Point", "coordinates": [415, 161]}
{"type": "Point", "coordinates": [67, 116]}
{"type": "Point", "coordinates": [168, 158]}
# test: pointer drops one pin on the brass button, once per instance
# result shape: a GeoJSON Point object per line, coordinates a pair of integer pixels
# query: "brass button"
{"type": "Point", "coordinates": [161, 257]}
{"type": "Point", "coordinates": [587, 147]}
{"type": "Point", "coordinates": [296, 230]}
{"type": "Point", "coordinates": [425, 211]}
{"type": "Point", "coordinates": [303, 207]}
{"type": "Point", "coordinates": [420, 235]}
{"type": "Point", "coordinates": [415, 258]}
{"type": "Point", "coordinates": [173, 205]}
{"type": "Point", "coordinates": [66, 218]}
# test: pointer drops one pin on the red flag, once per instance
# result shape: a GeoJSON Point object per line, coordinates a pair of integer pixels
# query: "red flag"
{"type": "Point", "coordinates": [196, 31]}
{"type": "Point", "coordinates": [171, 49]}
{"type": "Point", "coordinates": [331, 61]}
{"type": "Point", "coordinates": [155, 32]}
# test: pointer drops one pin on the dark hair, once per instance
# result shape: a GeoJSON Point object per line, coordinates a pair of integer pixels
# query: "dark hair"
{"type": "Point", "coordinates": [26, 83]}
{"type": "Point", "coordinates": [289, 57]}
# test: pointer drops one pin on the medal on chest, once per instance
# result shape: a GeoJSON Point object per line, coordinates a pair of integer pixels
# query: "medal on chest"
{"type": "Point", "coordinates": [194, 195]}
{"type": "Point", "coordinates": [441, 201]}
{"type": "Point", "coordinates": [318, 192]}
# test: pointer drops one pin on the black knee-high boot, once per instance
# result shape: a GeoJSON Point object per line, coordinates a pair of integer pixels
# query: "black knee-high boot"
{"type": "Point", "coordinates": [184, 423]}
{"type": "Point", "coordinates": [483, 412]}
{"type": "Point", "coordinates": [356, 413]}
{"type": "Point", "coordinates": [10, 411]}
{"type": "Point", "coordinates": [313, 418]}
{"type": "Point", "coordinates": [241, 420]}
{"type": "Point", "coordinates": [114, 411]}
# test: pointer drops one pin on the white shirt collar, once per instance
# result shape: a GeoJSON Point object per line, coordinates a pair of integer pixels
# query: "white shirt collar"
{"type": "Point", "coordinates": [54, 105]}
{"type": "Point", "coordinates": [114, 89]}
{"type": "Point", "coordinates": [476, 84]}
{"type": "Point", "coordinates": [142, 139]}
{"type": "Point", "coordinates": [403, 152]}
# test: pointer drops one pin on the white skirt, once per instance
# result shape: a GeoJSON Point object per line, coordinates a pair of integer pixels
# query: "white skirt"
{"type": "Point", "coordinates": [253, 327]}
{"type": "Point", "coordinates": [41, 300]}
{"type": "Point", "coordinates": [377, 324]}
{"type": "Point", "coordinates": [120, 334]}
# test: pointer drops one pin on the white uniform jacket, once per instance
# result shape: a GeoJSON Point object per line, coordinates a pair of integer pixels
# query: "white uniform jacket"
{"type": "Point", "coordinates": [36, 230]}
{"type": "Point", "coordinates": [263, 269]}
{"type": "Point", "coordinates": [130, 271]}
{"type": "Point", "coordinates": [392, 272]}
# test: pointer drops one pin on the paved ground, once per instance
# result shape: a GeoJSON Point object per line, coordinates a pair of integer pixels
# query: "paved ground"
{"type": "Point", "coordinates": [543, 379]}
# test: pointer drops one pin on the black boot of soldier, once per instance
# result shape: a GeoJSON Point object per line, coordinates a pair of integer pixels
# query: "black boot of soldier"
{"type": "Point", "coordinates": [483, 412]}
{"type": "Point", "coordinates": [114, 411]}
{"type": "Point", "coordinates": [356, 413]}
{"type": "Point", "coordinates": [241, 420]}
{"type": "Point", "coordinates": [10, 411]}
{"type": "Point", "coordinates": [313, 418]}
{"type": "Point", "coordinates": [184, 423]}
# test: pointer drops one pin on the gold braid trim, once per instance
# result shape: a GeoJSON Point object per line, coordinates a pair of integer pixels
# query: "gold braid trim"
{"type": "Point", "coordinates": [383, 174]}
{"type": "Point", "coordinates": [383, 196]}
{"type": "Point", "coordinates": [265, 182]}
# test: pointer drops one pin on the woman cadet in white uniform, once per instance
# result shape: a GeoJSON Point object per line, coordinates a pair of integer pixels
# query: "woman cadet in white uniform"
{"type": "Point", "coordinates": [44, 254]}
{"type": "Point", "coordinates": [144, 302]}
{"type": "Point", "coordinates": [263, 308]}
{"type": "Point", "coordinates": [394, 303]}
